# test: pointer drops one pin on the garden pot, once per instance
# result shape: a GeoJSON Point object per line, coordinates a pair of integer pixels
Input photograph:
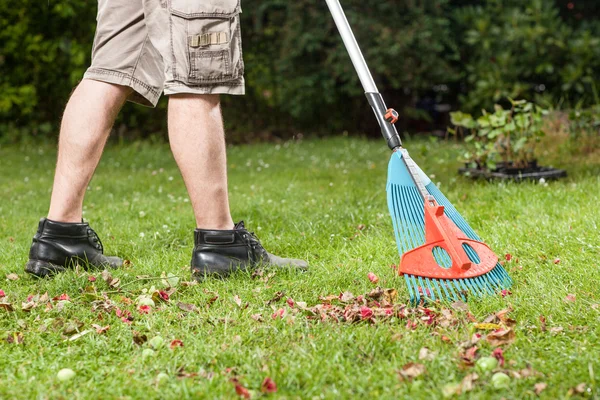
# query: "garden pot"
{"type": "Point", "coordinates": [507, 171]}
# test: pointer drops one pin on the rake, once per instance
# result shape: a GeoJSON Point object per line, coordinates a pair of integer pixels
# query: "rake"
{"type": "Point", "coordinates": [442, 258]}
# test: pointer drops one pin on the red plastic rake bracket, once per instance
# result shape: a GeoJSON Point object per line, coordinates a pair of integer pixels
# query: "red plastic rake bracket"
{"type": "Point", "coordinates": [440, 231]}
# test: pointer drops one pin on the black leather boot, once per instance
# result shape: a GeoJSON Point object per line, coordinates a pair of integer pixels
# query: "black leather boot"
{"type": "Point", "coordinates": [218, 253]}
{"type": "Point", "coordinates": [57, 246]}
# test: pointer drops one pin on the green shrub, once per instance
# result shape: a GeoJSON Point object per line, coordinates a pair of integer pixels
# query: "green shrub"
{"type": "Point", "coordinates": [507, 135]}
{"type": "Point", "coordinates": [521, 49]}
{"type": "Point", "coordinates": [584, 129]}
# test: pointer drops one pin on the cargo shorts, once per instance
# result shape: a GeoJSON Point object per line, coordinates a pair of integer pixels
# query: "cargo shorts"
{"type": "Point", "coordinates": [179, 46]}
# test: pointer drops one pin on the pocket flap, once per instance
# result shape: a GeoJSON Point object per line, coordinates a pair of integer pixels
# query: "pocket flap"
{"type": "Point", "coordinates": [205, 8]}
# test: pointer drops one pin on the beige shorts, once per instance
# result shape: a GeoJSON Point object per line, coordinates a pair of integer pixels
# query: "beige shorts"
{"type": "Point", "coordinates": [179, 46]}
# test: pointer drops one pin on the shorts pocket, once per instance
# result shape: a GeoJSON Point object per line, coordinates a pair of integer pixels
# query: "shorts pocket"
{"type": "Point", "coordinates": [208, 35]}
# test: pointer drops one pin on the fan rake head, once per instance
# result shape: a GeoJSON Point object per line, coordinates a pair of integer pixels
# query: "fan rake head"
{"type": "Point", "coordinates": [442, 257]}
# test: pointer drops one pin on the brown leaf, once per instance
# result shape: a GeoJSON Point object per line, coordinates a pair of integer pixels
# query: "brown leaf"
{"type": "Point", "coordinates": [186, 307]}
{"type": "Point", "coordinates": [15, 338]}
{"type": "Point", "coordinates": [328, 299]}
{"type": "Point", "coordinates": [100, 329]}
{"type": "Point", "coordinates": [467, 358]}
{"type": "Point", "coordinates": [501, 337]}
{"type": "Point", "coordinates": [278, 296]}
{"type": "Point", "coordinates": [556, 329]}
{"type": "Point", "coordinates": [579, 389]}
{"type": "Point", "coordinates": [468, 382]}
{"type": "Point", "coordinates": [139, 338]}
{"type": "Point", "coordinates": [6, 307]}
{"type": "Point", "coordinates": [542, 323]}
{"type": "Point", "coordinates": [257, 317]}
{"type": "Point", "coordinates": [346, 297]}
{"type": "Point", "coordinates": [411, 371]}
{"type": "Point", "coordinates": [12, 277]}
{"type": "Point", "coordinates": [237, 300]}
{"type": "Point", "coordinates": [460, 305]}
{"type": "Point", "coordinates": [426, 354]}
{"type": "Point", "coordinates": [72, 327]}
{"type": "Point", "coordinates": [108, 278]}
{"type": "Point", "coordinates": [539, 387]}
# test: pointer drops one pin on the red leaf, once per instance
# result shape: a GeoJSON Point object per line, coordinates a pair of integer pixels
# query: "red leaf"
{"type": "Point", "coordinates": [164, 295]}
{"type": "Point", "coordinates": [372, 277]}
{"type": "Point", "coordinates": [144, 309]}
{"type": "Point", "coordinates": [92, 278]}
{"type": "Point", "coordinates": [570, 297]}
{"type": "Point", "coordinates": [557, 260]}
{"type": "Point", "coordinates": [499, 356]}
{"type": "Point", "coordinates": [366, 312]}
{"type": "Point", "coordinates": [126, 320]}
{"type": "Point", "coordinates": [63, 296]}
{"type": "Point", "coordinates": [268, 386]}
{"type": "Point", "coordinates": [176, 343]}
{"type": "Point", "coordinates": [278, 314]}
{"type": "Point", "coordinates": [506, 292]}
{"type": "Point", "coordinates": [242, 391]}
{"type": "Point", "coordinates": [508, 257]}
{"type": "Point", "coordinates": [2, 294]}
{"type": "Point", "coordinates": [290, 302]}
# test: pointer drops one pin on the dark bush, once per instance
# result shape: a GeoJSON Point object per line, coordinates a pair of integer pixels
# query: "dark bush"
{"type": "Point", "coordinates": [299, 77]}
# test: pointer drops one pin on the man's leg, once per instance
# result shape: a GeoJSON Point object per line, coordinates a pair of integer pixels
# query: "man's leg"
{"type": "Point", "coordinates": [63, 239]}
{"type": "Point", "coordinates": [198, 143]}
{"type": "Point", "coordinates": [86, 124]}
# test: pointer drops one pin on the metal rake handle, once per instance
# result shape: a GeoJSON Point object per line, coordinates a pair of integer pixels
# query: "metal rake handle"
{"type": "Point", "coordinates": [386, 117]}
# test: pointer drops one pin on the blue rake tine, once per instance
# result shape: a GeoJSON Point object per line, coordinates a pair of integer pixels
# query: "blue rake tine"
{"type": "Point", "coordinates": [406, 207]}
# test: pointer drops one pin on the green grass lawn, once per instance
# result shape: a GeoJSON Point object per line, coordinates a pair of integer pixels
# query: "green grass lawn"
{"type": "Point", "coordinates": [305, 200]}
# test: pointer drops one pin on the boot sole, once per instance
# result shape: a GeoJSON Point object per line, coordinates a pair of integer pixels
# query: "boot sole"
{"type": "Point", "coordinates": [42, 269]}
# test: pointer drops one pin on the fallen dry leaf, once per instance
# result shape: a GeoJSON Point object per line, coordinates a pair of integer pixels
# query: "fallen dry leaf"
{"type": "Point", "coordinates": [278, 296]}
{"type": "Point", "coordinates": [556, 329]}
{"type": "Point", "coordinates": [237, 300]}
{"type": "Point", "coordinates": [372, 277]}
{"type": "Point", "coordinates": [487, 326]}
{"type": "Point", "coordinates": [579, 389]}
{"type": "Point", "coordinates": [501, 337]}
{"type": "Point", "coordinates": [139, 338]}
{"type": "Point", "coordinates": [100, 329]}
{"type": "Point", "coordinates": [176, 343]}
{"type": "Point", "coordinates": [570, 297]}
{"type": "Point", "coordinates": [411, 371]}
{"type": "Point", "coordinates": [542, 323]}
{"type": "Point", "coordinates": [12, 277]}
{"type": "Point", "coordinates": [15, 338]}
{"type": "Point", "coordinates": [257, 317]}
{"type": "Point", "coordinates": [108, 278]}
{"type": "Point", "coordinates": [268, 386]}
{"type": "Point", "coordinates": [240, 390]}
{"type": "Point", "coordinates": [426, 354]}
{"type": "Point", "coordinates": [2, 294]}
{"type": "Point", "coordinates": [557, 260]}
{"type": "Point", "coordinates": [6, 307]}
{"type": "Point", "coordinates": [468, 382]}
{"type": "Point", "coordinates": [460, 305]}
{"type": "Point", "coordinates": [499, 354]}
{"type": "Point", "coordinates": [346, 297]}
{"type": "Point", "coordinates": [539, 387]}
{"type": "Point", "coordinates": [186, 307]}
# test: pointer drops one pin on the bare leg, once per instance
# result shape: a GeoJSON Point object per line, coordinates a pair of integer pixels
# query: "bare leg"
{"type": "Point", "coordinates": [86, 124]}
{"type": "Point", "coordinates": [198, 144]}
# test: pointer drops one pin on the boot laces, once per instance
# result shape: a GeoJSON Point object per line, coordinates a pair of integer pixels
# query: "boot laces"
{"type": "Point", "coordinates": [97, 242]}
{"type": "Point", "coordinates": [256, 246]}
